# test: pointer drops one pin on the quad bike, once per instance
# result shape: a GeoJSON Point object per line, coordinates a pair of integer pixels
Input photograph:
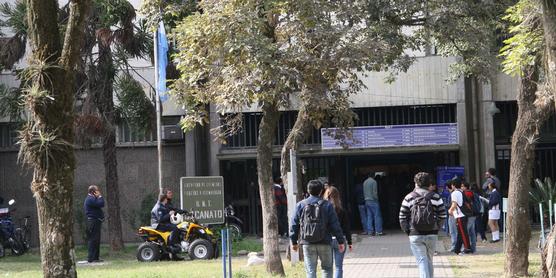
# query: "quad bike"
{"type": "Point", "coordinates": [197, 241]}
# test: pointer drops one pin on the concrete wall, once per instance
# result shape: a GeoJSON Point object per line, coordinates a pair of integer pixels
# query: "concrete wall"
{"type": "Point", "coordinates": [505, 87]}
{"type": "Point", "coordinates": [137, 172]}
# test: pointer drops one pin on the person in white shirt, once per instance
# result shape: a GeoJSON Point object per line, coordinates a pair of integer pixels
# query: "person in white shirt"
{"type": "Point", "coordinates": [461, 219]}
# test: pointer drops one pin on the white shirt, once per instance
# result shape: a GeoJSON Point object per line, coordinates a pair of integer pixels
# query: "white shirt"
{"type": "Point", "coordinates": [457, 196]}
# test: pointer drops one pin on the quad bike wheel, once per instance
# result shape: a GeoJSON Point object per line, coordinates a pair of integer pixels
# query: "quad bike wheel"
{"type": "Point", "coordinates": [201, 249]}
{"type": "Point", "coordinates": [148, 252]}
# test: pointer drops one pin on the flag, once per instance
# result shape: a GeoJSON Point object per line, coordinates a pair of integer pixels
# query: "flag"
{"type": "Point", "coordinates": [162, 56]}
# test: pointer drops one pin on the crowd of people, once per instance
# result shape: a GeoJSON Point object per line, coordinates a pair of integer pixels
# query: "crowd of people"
{"type": "Point", "coordinates": [321, 225]}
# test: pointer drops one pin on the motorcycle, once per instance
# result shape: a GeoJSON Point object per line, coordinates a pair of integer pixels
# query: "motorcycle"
{"type": "Point", "coordinates": [234, 223]}
{"type": "Point", "coordinates": [16, 239]}
{"type": "Point", "coordinates": [197, 241]}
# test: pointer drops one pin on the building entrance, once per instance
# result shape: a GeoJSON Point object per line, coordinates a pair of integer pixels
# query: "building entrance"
{"type": "Point", "coordinates": [394, 175]}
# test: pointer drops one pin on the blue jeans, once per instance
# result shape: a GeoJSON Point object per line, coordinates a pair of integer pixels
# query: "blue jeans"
{"type": "Point", "coordinates": [338, 260]}
{"type": "Point", "coordinates": [472, 233]}
{"type": "Point", "coordinates": [374, 218]}
{"type": "Point", "coordinates": [422, 248]}
{"type": "Point", "coordinates": [453, 232]}
{"type": "Point", "coordinates": [363, 216]}
{"type": "Point", "coordinates": [311, 252]}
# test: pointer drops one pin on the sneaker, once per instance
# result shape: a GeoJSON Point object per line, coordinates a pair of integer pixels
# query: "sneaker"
{"type": "Point", "coordinates": [484, 240]}
{"type": "Point", "coordinates": [372, 234]}
{"type": "Point", "coordinates": [380, 234]}
{"type": "Point", "coordinates": [494, 241]}
{"type": "Point", "coordinates": [435, 253]}
{"type": "Point", "coordinates": [467, 251]}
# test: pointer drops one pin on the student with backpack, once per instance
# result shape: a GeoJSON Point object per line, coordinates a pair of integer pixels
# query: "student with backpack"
{"type": "Point", "coordinates": [313, 225]}
{"type": "Point", "coordinates": [421, 215]}
{"type": "Point", "coordinates": [460, 213]}
{"type": "Point", "coordinates": [471, 199]}
{"type": "Point", "coordinates": [332, 194]}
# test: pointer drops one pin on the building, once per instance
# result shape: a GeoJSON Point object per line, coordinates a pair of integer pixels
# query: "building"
{"type": "Point", "coordinates": [483, 116]}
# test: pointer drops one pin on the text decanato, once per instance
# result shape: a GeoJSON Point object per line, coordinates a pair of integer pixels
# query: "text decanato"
{"type": "Point", "coordinates": [209, 214]}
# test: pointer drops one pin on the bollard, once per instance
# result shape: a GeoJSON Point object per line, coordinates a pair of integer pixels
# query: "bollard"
{"type": "Point", "coordinates": [224, 236]}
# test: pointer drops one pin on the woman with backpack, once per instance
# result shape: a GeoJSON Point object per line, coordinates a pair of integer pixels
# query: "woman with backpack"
{"type": "Point", "coordinates": [332, 195]}
{"type": "Point", "coordinates": [480, 222]}
{"type": "Point", "coordinates": [494, 199]}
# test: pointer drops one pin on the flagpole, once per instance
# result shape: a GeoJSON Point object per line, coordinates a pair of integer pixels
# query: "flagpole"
{"type": "Point", "coordinates": [158, 112]}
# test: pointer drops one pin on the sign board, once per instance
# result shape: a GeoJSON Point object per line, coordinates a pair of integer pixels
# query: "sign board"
{"type": "Point", "coordinates": [504, 204]}
{"type": "Point", "coordinates": [445, 174]}
{"type": "Point", "coordinates": [393, 136]}
{"type": "Point", "coordinates": [204, 196]}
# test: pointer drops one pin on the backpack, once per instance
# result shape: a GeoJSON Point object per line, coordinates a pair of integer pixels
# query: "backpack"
{"type": "Point", "coordinates": [423, 217]}
{"type": "Point", "coordinates": [467, 207]}
{"type": "Point", "coordinates": [476, 204]}
{"type": "Point", "coordinates": [313, 222]}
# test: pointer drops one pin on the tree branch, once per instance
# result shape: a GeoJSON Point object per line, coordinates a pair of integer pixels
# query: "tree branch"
{"type": "Point", "coordinates": [74, 33]}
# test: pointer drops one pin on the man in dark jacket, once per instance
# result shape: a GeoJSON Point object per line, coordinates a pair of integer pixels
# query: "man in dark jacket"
{"type": "Point", "coordinates": [359, 199]}
{"type": "Point", "coordinates": [301, 232]}
{"type": "Point", "coordinates": [160, 220]}
{"type": "Point", "coordinates": [93, 210]}
{"type": "Point", "coordinates": [281, 204]}
{"type": "Point", "coordinates": [422, 234]}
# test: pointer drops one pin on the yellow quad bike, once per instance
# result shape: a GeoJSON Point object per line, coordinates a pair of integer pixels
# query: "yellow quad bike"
{"type": "Point", "coordinates": [197, 241]}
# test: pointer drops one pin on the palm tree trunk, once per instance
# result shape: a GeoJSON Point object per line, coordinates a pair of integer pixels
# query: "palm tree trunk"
{"type": "Point", "coordinates": [104, 99]}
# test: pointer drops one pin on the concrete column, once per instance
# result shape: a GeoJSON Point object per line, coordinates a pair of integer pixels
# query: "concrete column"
{"type": "Point", "coordinates": [488, 109]}
{"type": "Point", "coordinates": [190, 154]}
{"type": "Point", "coordinates": [214, 148]}
{"type": "Point", "coordinates": [461, 117]}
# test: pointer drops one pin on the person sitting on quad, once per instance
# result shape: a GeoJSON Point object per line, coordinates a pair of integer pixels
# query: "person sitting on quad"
{"type": "Point", "coordinates": [160, 220]}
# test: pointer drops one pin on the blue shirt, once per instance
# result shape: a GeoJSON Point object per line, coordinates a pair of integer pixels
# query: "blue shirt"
{"type": "Point", "coordinates": [334, 228]}
{"type": "Point", "coordinates": [93, 207]}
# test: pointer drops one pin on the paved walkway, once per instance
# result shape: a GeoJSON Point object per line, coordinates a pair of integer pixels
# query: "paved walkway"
{"type": "Point", "coordinates": [389, 256]}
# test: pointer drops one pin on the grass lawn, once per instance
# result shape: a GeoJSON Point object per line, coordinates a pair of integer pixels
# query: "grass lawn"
{"type": "Point", "coordinates": [489, 260]}
{"type": "Point", "coordinates": [124, 264]}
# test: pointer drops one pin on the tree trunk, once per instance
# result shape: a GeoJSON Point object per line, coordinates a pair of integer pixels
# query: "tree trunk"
{"type": "Point", "coordinates": [52, 72]}
{"type": "Point", "coordinates": [549, 25]}
{"type": "Point", "coordinates": [529, 121]}
{"type": "Point", "coordinates": [548, 256]}
{"type": "Point", "coordinates": [267, 129]}
{"type": "Point", "coordinates": [104, 100]}
{"type": "Point", "coordinates": [299, 133]}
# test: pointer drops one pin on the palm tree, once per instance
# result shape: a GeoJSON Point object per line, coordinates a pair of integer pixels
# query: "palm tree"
{"type": "Point", "coordinates": [112, 36]}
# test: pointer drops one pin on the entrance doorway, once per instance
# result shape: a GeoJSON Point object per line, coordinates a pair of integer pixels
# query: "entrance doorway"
{"type": "Point", "coordinates": [394, 176]}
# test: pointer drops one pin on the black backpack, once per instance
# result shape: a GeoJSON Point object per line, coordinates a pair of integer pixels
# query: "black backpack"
{"type": "Point", "coordinates": [313, 222]}
{"type": "Point", "coordinates": [476, 204]}
{"type": "Point", "coordinates": [467, 207]}
{"type": "Point", "coordinates": [423, 217]}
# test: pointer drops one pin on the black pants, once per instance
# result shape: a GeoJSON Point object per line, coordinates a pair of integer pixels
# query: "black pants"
{"type": "Point", "coordinates": [282, 213]}
{"type": "Point", "coordinates": [169, 227]}
{"type": "Point", "coordinates": [93, 237]}
{"type": "Point", "coordinates": [463, 236]}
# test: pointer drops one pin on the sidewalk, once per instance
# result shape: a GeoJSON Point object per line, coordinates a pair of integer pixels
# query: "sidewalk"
{"type": "Point", "coordinates": [389, 256]}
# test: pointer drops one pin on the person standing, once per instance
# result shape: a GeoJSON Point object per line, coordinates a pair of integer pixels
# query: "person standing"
{"type": "Point", "coordinates": [281, 204]}
{"type": "Point", "coordinates": [313, 225]}
{"type": "Point", "coordinates": [479, 223]}
{"type": "Point", "coordinates": [471, 219]}
{"type": "Point", "coordinates": [93, 210]}
{"type": "Point", "coordinates": [491, 177]}
{"type": "Point", "coordinates": [494, 199]}
{"type": "Point", "coordinates": [372, 206]}
{"type": "Point", "coordinates": [421, 215]}
{"type": "Point", "coordinates": [332, 195]}
{"type": "Point", "coordinates": [360, 202]}
{"type": "Point", "coordinates": [461, 219]}
{"type": "Point", "coordinates": [452, 226]}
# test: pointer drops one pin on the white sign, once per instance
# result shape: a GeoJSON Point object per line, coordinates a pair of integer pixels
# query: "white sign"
{"type": "Point", "coordinates": [504, 204]}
